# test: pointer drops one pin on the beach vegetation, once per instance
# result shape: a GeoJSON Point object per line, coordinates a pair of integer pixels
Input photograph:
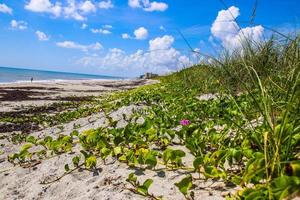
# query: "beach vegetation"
{"type": "Point", "coordinates": [247, 133]}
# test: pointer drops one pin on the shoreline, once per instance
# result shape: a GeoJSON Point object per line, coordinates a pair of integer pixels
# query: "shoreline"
{"type": "Point", "coordinates": [23, 95]}
{"type": "Point", "coordinates": [15, 74]}
{"type": "Point", "coordinates": [63, 80]}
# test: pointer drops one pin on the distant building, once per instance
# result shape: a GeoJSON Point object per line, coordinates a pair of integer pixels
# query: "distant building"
{"type": "Point", "coordinates": [148, 75]}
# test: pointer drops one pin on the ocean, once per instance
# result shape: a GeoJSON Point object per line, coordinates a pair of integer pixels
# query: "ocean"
{"type": "Point", "coordinates": [11, 75]}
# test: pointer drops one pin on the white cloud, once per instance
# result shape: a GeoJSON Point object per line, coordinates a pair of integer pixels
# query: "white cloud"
{"type": "Point", "coordinates": [104, 30]}
{"type": "Point", "coordinates": [41, 36]}
{"type": "Point", "coordinates": [160, 43]}
{"type": "Point", "coordinates": [141, 33]}
{"type": "Point", "coordinates": [106, 4]}
{"type": "Point", "coordinates": [156, 6]}
{"type": "Point", "coordinates": [148, 6]}
{"type": "Point", "coordinates": [74, 45]}
{"type": "Point", "coordinates": [161, 57]}
{"type": "Point", "coordinates": [19, 25]}
{"type": "Point", "coordinates": [134, 3]}
{"type": "Point", "coordinates": [5, 9]}
{"type": "Point", "coordinates": [107, 26]}
{"type": "Point", "coordinates": [228, 32]}
{"type": "Point", "coordinates": [126, 36]}
{"type": "Point", "coordinates": [71, 9]}
{"type": "Point", "coordinates": [44, 6]}
{"type": "Point", "coordinates": [197, 50]}
{"type": "Point", "coordinates": [84, 26]}
{"type": "Point", "coordinates": [88, 7]}
{"type": "Point", "coordinates": [101, 31]}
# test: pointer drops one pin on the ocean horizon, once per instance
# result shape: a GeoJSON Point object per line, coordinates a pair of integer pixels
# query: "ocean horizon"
{"type": "Point", "coordinates": [12, 75]}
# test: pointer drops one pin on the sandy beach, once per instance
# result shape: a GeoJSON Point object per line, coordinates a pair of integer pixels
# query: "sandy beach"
{"type": "Point", "coordinates": [17, 96]}
{"type": "Point", "coordinates": [109, 181]}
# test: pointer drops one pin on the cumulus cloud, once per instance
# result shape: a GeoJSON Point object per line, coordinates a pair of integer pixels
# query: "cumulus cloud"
{"type": "Point", "coordinates": [106, 4]}
{"type": "Point", "coordinates": [70, 9]}
{"type": "Point", "coordinates": [148, 6]}
{"type": "Point", "coordinates": [73, 11]}
{"type": "Point", "coordinates": [228, 32]}
{"type": "Point", "coordinates": [101, 31]}
{"type": "Point", "coordinates": [5, 9]}
{"type": "Point", "coordinates": [41, 36]}
{"type": "Point", "coordinates": [44, 6]}
{"type": "Point", "coordinates": [87, 7]}
{"type": "Point", "coordinates": [134, 3]}
{"type": "Point", "coordinates": [141, 33]}
{"type": "Point", "coordinates": [18, 25]}
{"type": "Point", "coordinates": [138, 34]}
{"type": "Point", "coordinates": [160, 57]}
{"type": "Point", "coordinates": [161, 43]}
{"type": "Point", "coordinates": [126, 36]}
{"type": "Point", "coordinates": [156, 6]}
{"type": "Point", "coordinates": [74, 45]}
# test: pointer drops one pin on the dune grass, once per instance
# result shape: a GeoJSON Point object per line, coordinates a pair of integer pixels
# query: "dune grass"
{"type": "Point", "coordinates": [268, 73]}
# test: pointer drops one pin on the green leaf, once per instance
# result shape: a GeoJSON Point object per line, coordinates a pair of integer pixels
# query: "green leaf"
{"type": "Point", "coordinates": [236, 154]}
{"type": "Point", "coordinates": [11, 158]}
{"type": "Point", "coordinates": [31, 139]}
{"type": "Point", "coordinates": [197, 162]}
{"type": "Point", "coordinates": [25, 147]}
{"type": "Point", "coordinates": [147, 183]}
{"type": "Point", "coordinates": [67, 168]}
{"type": "Point", "coordinates": [178, 153]}
{"type": "Point", "coordinates": [117, 151]}
{"type": "Point", "coordinates": [167, 155]}
{"type": "Point", "coordinates": [123, 158]}
{"type": "Point", "coordinates": [151, 133]}
{"type": "Point", "coordinates": [185, 184]}
{"type": "Point", "coordinates": [213, 172]}
{"type": "Point", "coordinates": [74, 133]}
{"type": "Point", "coordinates": [75, 161]}
{"type": "Point", "coordinates": [84, 153]}
{"type": "Point", "coordinates": [105, 152]}
{"type": "Point", "coordinates": [150, 159]}
{"type": "Point", "coordinates": [132, 178]}
{"type": "Point", "coordinates": [236, 180]}
{"type": "Point", "coordinates": [91, 162]}
{"type": "Point", "coordinates": [143, 189]}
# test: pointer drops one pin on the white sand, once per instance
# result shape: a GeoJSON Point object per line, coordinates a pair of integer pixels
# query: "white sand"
{"type": "Point", "coordinates": [44, 93]}
{"type": "Point", "coordinates": [110, 182]}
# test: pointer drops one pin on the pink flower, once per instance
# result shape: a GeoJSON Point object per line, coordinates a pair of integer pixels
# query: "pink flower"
{"type": "Point", "coordinates": [185, 122]}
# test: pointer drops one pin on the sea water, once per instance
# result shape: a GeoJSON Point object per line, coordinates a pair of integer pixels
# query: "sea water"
{"type": "Point", "coordinates": [10, 75]}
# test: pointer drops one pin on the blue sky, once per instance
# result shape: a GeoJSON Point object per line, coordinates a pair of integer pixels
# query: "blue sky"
{"type": "Point", "coordinates": [130, 37]}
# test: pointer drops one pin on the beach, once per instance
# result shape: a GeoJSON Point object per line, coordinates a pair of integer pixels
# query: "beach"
{"type": "Point", "coordinates": [22, 95]}
{"type": "Point", "coordinates": [29, 181]}
{"type": "Point", "coordinates": [51, 130]}
{"type": "Point", "coordinates": [32, 99]}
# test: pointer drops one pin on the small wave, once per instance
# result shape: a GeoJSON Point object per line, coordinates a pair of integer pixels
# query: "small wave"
{"type": "Point", "coordinates": [59, 80]}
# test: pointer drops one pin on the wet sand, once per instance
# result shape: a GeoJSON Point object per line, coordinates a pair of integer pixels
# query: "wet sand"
{"type": "Point", "coordinates": [20, 96]}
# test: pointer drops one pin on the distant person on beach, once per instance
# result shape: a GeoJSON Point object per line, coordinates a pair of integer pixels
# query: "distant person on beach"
{"type": "Point", "coordinates": [31, 79]}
